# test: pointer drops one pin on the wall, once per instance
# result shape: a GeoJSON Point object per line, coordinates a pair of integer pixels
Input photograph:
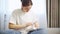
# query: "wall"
{"type": "Point", "coordinates": [53, 30]}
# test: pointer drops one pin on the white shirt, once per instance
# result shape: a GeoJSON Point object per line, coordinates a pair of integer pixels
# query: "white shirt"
{"type": "Point", "coordinates": [20, 17]}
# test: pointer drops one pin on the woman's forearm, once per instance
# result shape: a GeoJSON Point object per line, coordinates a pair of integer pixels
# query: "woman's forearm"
{"type": "Point", "coordinates": [13, 26]}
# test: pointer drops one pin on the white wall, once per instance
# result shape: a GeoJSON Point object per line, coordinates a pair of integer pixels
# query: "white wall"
{"type": "Point", "coordinates": [38, 8]}
{"type": "Point", "coordinates": [53, 30]}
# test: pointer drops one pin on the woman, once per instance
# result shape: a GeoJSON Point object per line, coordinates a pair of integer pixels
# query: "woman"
{"type": "Point", "coordinates": [17, 22]}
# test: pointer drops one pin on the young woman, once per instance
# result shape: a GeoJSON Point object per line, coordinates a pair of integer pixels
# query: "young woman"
{"type": "Point", "coordinates": [16, 21]}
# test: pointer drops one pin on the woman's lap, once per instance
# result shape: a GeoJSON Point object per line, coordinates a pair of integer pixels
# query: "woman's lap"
{"type": "Point", "coordinates": [39, 31]}
{"type": "Point", "coordinates": [9, 32]}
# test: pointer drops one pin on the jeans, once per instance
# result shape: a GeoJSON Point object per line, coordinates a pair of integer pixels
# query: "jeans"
{"type": "Point", "coordinates": [38, 31]}
{"type": "Point", "coordinates": [10, 32]}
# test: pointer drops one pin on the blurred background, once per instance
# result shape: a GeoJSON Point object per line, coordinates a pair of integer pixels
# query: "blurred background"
{"type": "Point", "coordinates": [47, 12]}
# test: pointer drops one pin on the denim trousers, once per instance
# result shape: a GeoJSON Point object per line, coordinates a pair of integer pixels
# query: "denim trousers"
{"type": "Point", "coordinates": [38, 31]}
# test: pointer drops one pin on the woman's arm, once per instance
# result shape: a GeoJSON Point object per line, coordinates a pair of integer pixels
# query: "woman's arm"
{"type": "Point", "coordinates": [13, 26]}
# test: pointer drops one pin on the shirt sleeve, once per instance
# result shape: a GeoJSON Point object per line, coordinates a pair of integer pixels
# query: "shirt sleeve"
{"type": "Point", "coordinates": [13, 18]}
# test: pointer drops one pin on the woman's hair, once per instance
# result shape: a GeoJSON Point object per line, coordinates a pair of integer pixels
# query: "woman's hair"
{"type": "Point", "coordinates": [26, 2]}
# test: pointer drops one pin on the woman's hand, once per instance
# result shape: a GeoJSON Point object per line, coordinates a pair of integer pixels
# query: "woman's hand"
{"type": "Point", "coordinates": [36, 24]}
{"type": "Point", "coordinates": [28, 24]}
